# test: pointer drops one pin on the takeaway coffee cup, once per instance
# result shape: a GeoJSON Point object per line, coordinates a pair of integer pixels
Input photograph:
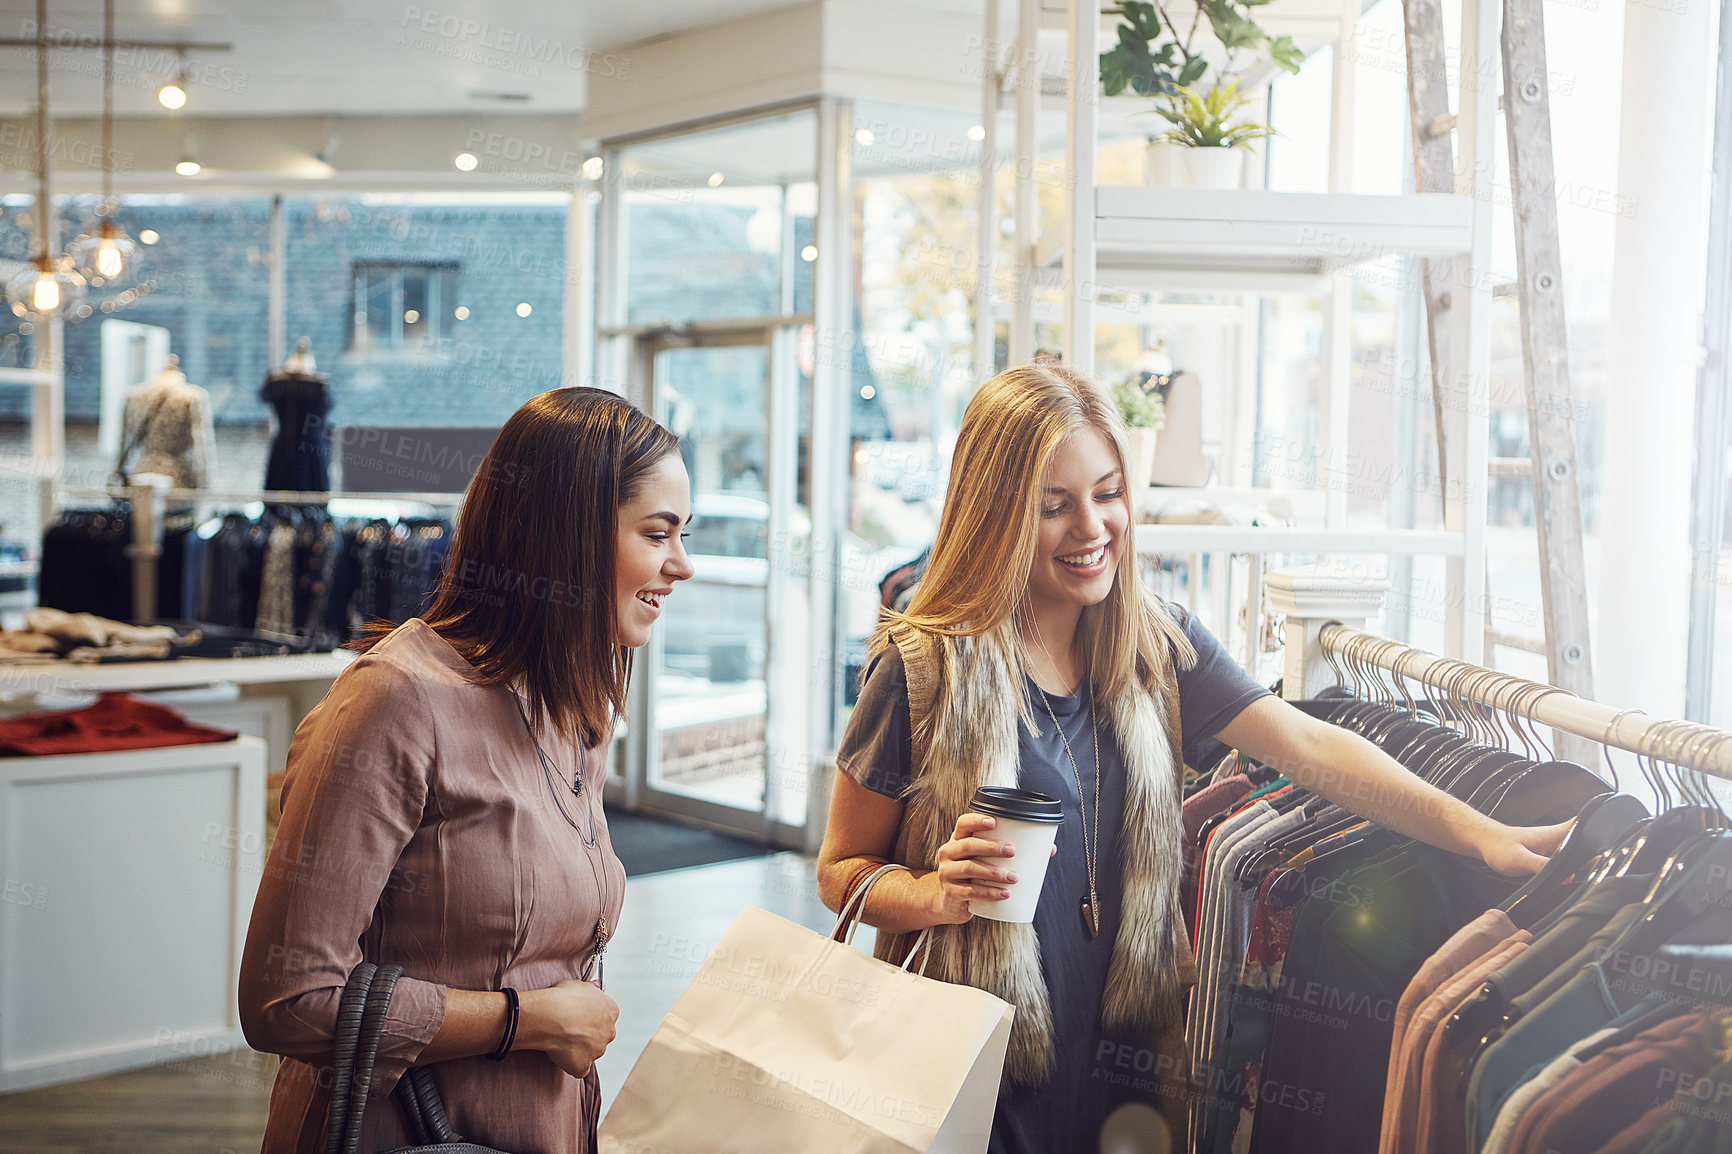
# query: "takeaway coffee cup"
{"type": "Point", "coordinates": [1029, 821]}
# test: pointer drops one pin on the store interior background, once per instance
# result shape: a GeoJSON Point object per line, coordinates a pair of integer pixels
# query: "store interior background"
{"type": "Point", "coordinates": [759, 221]}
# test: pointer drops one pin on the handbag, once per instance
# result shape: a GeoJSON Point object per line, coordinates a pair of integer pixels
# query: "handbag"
{"type": "Point", "coordinates": [788, 1042]}
{"type": "Point", "coordinates": [360, 1021]}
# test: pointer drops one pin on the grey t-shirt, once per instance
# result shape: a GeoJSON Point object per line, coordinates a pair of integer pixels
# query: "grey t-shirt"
{"type": "Point", "coordinates": [1095, 1071]}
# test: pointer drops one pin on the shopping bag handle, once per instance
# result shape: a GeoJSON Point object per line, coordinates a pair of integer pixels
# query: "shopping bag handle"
{"type": "Point", "coordinates": [854, 909]}
{"type": "Point", "coordinates": [923, 941]}
{"type": "Point", "coordinates": [848, 920]}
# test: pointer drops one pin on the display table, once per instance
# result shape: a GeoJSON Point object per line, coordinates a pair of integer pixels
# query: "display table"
{"type": "Point", "coordinates": [262, 696]}
{"type": "Point", "coordinates": [126, 883]}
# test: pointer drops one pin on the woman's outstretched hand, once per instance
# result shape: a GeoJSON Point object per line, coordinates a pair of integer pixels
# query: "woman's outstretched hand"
{"type": "Point", "coordinates": [1520, 850]}
{"type": "Point", "coordinates": [572, 1023]}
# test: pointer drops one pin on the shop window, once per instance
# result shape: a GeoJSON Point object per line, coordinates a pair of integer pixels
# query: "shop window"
{"type": "Point", "coordinates": [402, 306]}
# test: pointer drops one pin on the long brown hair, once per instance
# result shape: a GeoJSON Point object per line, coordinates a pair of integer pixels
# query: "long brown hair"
{"type": "Point", "coordinates": [977, 575]}
{"type": "Point", "coordinates": [527, 592]}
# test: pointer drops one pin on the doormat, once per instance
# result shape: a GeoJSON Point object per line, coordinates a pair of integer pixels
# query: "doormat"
{"type": "Point", "coordinates": [650, 845]}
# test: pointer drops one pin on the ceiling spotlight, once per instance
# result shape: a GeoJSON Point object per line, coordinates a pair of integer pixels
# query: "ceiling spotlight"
{"type": "Point", "coordinates": [809, 253]}
{"type": "Point", "coordinates": [524, 309]}
{"type": "Point", "coordinates": [592, 168]}
{"type": "Point", "coordinates": [172, 95]}
{"type": "Point", "coordinates": [977, 132]}
{"type": "Point", "coordinates": [149, 236]}
{"type": "Point", "coordinates": [460, 312]}
{"type": "Point", "coordinates": [466, 162]}
{"type": "Point", "coordinates": [864, 136]}
{"type": "Point", "coordinates": [188, 167]}
{"type": "Point", "coordinates": [716, 179]}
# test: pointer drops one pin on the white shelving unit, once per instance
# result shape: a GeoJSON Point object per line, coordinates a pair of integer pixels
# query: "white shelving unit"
{"type": "Point", "coordinates": [1257, 240]}
{"type": "Point", "coordinates": [47, 387]}
{"type": "Point", "coordinates": [1268, 242]}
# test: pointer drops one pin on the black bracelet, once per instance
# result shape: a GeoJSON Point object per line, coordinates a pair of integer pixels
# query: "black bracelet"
{"type": "Point", "coordinates": [510, 1035]}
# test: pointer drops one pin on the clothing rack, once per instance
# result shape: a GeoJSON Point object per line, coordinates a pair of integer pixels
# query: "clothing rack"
{"type": "Point", "coordinates": [1681, 743]}
{"type": "Point", "coordinates": [149, 504]}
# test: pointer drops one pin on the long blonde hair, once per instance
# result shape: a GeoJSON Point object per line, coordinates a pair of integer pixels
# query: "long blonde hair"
{"type": "Point", "coordinates": [977, 575]}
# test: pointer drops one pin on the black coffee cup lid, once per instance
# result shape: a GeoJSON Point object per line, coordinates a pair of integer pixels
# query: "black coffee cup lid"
{"type": "Point", "coordinates": [1017, 804]}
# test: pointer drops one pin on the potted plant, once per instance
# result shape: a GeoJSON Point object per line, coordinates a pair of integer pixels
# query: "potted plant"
{"type": "Point", "coordinates": [1212, 134]}
{"type": "Point", "coordinates": [1144, 413]}
{"type": "Point", "coordinates": [1155, 58]}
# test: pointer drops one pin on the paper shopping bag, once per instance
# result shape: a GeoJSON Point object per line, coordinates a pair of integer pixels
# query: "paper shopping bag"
{"type": "Point", "coordinates": [789, 1041]}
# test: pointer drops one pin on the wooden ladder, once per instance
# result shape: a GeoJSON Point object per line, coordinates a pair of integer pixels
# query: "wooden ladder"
{"type": "Point", "coordinates": [1539, 288]}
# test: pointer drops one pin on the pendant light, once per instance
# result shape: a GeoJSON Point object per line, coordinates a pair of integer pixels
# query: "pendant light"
{"type": "Point", "coordinates": [107, 255]}
{"type": "Point", "coordinates": [50, 285]}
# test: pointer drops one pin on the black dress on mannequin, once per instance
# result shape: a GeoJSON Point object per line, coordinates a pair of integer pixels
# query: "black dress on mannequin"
{"type": "Point", "coordinates": [300, 459]}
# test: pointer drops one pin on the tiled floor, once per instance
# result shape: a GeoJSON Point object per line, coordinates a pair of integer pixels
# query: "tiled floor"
{"type": "Point", "coordinates": [218, 1105]}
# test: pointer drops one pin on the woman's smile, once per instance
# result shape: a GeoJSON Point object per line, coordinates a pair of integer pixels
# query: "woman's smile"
{"type": "Point", "coordinates": [1087, 563]}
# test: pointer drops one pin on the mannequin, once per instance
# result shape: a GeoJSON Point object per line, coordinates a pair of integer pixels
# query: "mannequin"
{"type": "Point", "coordinates": [300, 459]}
{"type": "Point", "coordinates": [167, 423]}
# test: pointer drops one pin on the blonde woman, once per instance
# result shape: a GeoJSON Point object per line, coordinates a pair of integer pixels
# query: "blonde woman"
{"type": "Point", "coordinates": [1032, 656]}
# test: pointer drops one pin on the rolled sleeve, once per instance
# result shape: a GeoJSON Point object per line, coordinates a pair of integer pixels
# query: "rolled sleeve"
{"type": "Point", "coordinates": [359, 773]}
{"type": "Point", "coordinates": [877, 746]}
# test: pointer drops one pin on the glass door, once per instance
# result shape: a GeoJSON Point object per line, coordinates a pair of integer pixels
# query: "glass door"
{"type": "Point", "coordinates": [723, 684]}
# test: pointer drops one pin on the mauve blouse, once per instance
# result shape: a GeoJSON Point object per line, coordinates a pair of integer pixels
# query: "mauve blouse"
{"type": "Point", "coordinates": [419, 828]}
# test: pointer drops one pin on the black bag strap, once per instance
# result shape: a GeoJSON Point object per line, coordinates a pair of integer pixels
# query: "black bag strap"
{"type": "Point", "coordinates": [348, 1033]}
{"type": "Point", "coordinates": [360, 1025]}
{"type": "Point", "coordinates": [367, 1049]}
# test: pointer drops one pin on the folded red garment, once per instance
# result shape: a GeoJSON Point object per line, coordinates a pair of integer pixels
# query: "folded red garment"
{"type": "Point", "coordinates": [116, 721]}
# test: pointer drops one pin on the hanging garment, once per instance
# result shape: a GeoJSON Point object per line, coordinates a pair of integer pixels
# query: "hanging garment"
{"type": "Point", "coordinates": [1468, 944]}
{"type": "Point", "coordinates": [276, 614]}
{"type": "Point", "coordinates": [1226, 930]}
{"type": "Point", "coordinates": [1412, 1129]}
{"type": "Point", "coordinates": [171, 566]}
{"type": "Point", "coordinates": [1622, 1081]}
{"type": "Point", "coordinates": [1341, 994]}
{"type": "Point", "coordinates": [1683, 1125]}
{"type": "Point", "coordinates": [167, 430]}
{"type": "Point", "coordinates": [85, 567]}
{"type": "Point", "coordinates": [1529, 1092]}
{"type": "Point", "coordinates": [1214, 798]}
{"type": "Point", "coordinates": [300, 458]}
{"type": "Point", "coordinates": [314, 562]}
{"type": "Point", "coordinates": [1592, 999]}
{"type": "Point", "coordinates": [115, 722]}
{"type": "Point", "coordinates": [418, 547]}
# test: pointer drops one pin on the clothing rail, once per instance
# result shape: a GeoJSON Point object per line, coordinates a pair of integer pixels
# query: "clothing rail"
{"type": "Point", "coordinates": [150, 503]}
{"type": "Point", "coordinates": [267, 496]}
{"type": "Point", "coordinates": [1683, 743]}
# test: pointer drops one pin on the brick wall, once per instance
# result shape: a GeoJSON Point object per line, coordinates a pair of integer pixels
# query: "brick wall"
{"type": "Point", "coordinates": [209, 285]}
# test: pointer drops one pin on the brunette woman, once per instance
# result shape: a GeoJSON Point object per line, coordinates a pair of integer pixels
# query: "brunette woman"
{"type": "Point", "coordinates": [442, 806]}
{"type": "Point", "coordinates": [1032, 656]}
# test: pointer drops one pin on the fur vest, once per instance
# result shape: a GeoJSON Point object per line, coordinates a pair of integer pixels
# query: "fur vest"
{"type": "Point", "coordinates": [963, 696]}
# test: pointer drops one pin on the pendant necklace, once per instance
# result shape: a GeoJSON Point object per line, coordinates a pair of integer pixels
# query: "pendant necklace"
{"type": "Point", "coordinates": [1091, 905]}
{"type": "Point", "coordinates": [602, 930]}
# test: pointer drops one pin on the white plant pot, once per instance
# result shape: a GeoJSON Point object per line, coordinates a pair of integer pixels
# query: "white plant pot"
{"type": "Point", "coordinates": [1169, 165]}
{"type": "Point", "coordinates": [1216, 167]}
{"type": "Point", "coordinates": [1140, 451]}
{"type": "Point", "coordinates": [1164, 165]}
